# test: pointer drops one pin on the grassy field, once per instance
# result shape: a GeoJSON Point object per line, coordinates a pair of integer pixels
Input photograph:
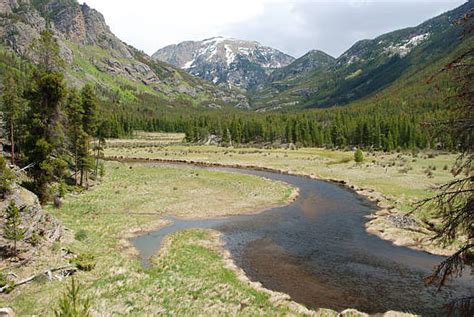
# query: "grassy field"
{"type": "Point", "coordinates": [396, 180]}
{"type": "Point", "coordinates": [193, 274]}
{"type": "Point", "coordinates": [190, 277]}
{"type": "Point", "coordinates": [403, 177]}
{"type": "Point", "coordinates": [146, 139]}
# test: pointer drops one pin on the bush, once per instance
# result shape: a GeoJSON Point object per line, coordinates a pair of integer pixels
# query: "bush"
{"type": "Point", "coordinates": [359, 156]}
{"type": "Point", "coordinates": [84, 262]}
{"type": "Point", "coordinates": [35, 239]}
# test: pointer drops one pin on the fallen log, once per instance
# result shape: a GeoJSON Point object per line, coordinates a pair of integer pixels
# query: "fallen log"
{"type": "Point", "coordinates": [48, 273]}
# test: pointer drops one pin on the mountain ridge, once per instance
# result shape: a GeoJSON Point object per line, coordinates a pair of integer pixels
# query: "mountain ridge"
{"type": "Point", "coordinates": [93, 53]}
{"type": "Point", "coordinates": [234, 62]}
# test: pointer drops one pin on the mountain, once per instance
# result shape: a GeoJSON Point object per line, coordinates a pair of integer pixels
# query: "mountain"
{"type": "Point", "coordinates": [314, 60]}
{"type": "Point", "coordinates": [368, 67]}
{"type": "Point", "coordinates": [93, 53]}
{"type": "Point", "coordinates": [226, 61]}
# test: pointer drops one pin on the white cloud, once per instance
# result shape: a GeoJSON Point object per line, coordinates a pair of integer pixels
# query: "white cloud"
{"type": "Point", "coordinates": [294, 26]}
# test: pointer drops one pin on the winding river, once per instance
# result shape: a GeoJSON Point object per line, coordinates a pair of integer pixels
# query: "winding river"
{"type": "Point", "coordinates": [317, 250]}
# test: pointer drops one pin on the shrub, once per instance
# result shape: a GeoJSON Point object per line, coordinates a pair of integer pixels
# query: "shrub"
{"type": "Point", "coordinates": [81, 235]}
{"type": "Point", "coordinates": [359, 156]}
{"type": "Point", "coordinates": [101, 169]}
{"type": "Point", "coordinates": [84, 262]}
{"type": "Point", "coordinates": [35, 239]}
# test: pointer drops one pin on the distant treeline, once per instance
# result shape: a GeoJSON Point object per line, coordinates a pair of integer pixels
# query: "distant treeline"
{"type": "Point", "coordinates": [374, 127]}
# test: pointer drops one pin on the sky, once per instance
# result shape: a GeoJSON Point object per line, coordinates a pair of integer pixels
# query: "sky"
{"type": "Point", "coordinates": [292, 26]}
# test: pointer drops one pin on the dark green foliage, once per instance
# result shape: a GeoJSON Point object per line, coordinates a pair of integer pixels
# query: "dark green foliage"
{"type": "Point", "coordinates": [47, 52]}
{"type": "Point", "coordinates": [35, 239]}
{"type": "Point", "coordinates": [12, 105]}
{"type": "Point", "coordinates": [73, 304]}
{"type": "Point", "coordinates": [101, 169]}
{"type": "Point", "coordinates": [358, 156]}
{"type": "Point", "coordinates": [84, 262]}
{"type": "Point", "coordinates": [45, 140]}
{"type": "Point", "coordinates": [6, 177]}
{"type": "Point", "coordinates": [12, 230]}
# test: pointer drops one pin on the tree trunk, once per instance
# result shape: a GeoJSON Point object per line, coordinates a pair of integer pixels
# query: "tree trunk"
{"type": "Point", "coordinates": [76, 163]}
{"type": "Point", "coordinates": [12, 143]}
{"type": "Point", "coordinates": [97, 160]}
{"type": "Point", "coordinates": [82, 176]}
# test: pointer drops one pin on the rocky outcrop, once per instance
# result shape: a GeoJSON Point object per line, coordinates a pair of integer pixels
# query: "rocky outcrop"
{"type": "Point", "coordinates": [226, 61]}
{"type": "Point", "coordinates": [86, 40]}
{"type": "Point", "coordinates": [39, 226]}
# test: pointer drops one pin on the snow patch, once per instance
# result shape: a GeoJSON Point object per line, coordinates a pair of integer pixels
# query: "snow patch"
{"type": "Point", "coordinates": [189, 64]}
{"type": "Point", "coordinates": [406, 46]}
{"type": "Point", "coordinates": [229, 55]}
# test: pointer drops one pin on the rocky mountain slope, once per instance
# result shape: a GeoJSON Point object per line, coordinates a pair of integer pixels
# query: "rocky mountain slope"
{"type": "Point", "coordinates": [93, 53]}
{"type": "Point", "coordinates": [227, 61]}
{"type": "Point", "coordinates": [367, 67]}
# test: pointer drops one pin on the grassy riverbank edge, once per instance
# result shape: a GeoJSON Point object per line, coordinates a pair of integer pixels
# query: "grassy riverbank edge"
{"type": "Point", "coordinates": [377, 224]}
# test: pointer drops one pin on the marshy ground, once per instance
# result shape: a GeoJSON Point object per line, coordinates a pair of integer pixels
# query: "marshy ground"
{"type": "Point", "coordinates": [190, 275]}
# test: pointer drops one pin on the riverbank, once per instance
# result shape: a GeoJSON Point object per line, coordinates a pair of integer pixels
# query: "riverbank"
{"type": "Point", "coordinates": [132, 199]}
{"type": "Point", "coordinates": [393, 181]}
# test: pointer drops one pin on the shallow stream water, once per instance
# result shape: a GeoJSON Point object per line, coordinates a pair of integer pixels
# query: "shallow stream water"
{"type": "Point", "coordinates": [317, 250]}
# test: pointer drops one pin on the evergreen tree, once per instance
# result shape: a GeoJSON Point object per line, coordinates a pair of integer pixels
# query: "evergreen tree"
{"type": "Point", "coordinates": [11, 102]}
{"type": "Point", "coordinates": [76, 133]}
{"type": "Point", "coordinates": [72, 304]}
{"type": "Point", "coordinates": [358, 156]}
{"type": "Point", "coordinates": [12, 230]}
{"type": "Point", "coordinates": [47, 52]}
{"type": "Point", "coordinates": [44, 146]}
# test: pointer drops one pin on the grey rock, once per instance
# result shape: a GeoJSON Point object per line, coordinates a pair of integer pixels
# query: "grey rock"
{"type": "Point", "coordinates": [225, 61]}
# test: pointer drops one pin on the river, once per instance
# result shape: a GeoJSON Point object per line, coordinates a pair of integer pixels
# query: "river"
{"type": "Point", "coordinates": [317, 250]}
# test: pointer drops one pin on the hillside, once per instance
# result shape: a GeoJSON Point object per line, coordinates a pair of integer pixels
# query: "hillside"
{"type": "Point", "coordinates": [226, 61]}
{"type": "Point", "coordinates": [367, 67]}
{"type": "Point", "coordinates": [93, 53]}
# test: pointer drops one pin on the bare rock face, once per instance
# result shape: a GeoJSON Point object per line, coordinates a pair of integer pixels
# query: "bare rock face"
{"type": "Point", "coordinates": [82, 34]}
{"type": "Point", "coordinates": [39, 226]}
{"type": "Point", "coordinates": [226, 61]}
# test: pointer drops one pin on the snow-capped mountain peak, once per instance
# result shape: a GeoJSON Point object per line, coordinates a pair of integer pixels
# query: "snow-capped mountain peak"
{"type": "Point", "coordinates": [224, 60]}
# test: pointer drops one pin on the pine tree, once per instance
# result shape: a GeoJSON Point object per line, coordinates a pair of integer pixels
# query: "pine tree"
{"type": "Point", "coordinates": [358, 156]}
{"type": "Point", "coordinates": [76, 133]}
{"type": "Point", "coordinates": [44, 146]}
{"type": "Point", "coordinates": [11, 102]}
{"type": "Point", "coordinates": [72, 304]}
{"type": "Point", "coordinates": [13, 230]}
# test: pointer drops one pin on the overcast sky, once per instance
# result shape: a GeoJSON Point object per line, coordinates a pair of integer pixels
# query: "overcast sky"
{"type": "Point", "coordinates": [293, 26]}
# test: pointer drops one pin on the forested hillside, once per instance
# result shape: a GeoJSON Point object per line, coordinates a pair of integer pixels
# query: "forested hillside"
{"type": "Point", "coordinates": [92, 53]}
{"type": "Point", "coordinates": [368, 67]}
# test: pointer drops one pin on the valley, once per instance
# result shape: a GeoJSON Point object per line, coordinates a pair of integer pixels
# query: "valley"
{"type": "Point", "coordinates": [223, 176]}
{"type": "Point", "coordinates": [138, 195]}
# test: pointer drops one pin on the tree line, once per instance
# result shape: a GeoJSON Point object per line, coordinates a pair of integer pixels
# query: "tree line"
{"type": "Point", "coordinates": [373, 128]}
